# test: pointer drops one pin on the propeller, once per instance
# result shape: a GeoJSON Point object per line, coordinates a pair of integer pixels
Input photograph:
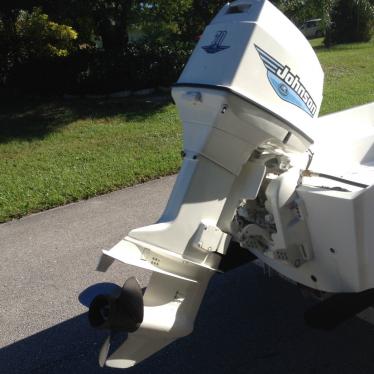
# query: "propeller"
{"type": "Point", "coordinates": [119, 311]}
{"type": "Point", "coordinates": [87, 295]}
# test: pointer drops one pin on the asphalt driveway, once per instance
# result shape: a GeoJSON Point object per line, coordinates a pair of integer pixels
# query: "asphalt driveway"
{"type": "Point", "coordinates": [248, 323]}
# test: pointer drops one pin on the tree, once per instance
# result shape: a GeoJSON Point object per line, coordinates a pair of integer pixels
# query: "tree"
{"type": "Point", "coordinates": [200, 15]}
{"type": "Point", "coordinates": [171, 21]}
{"type": "Point", "coordinates": [298, 11]}
{"type": "Point", "coordinates": [27, 34]}
{"type": "Point", "coordinates": [108, 19]}
{"type": "Point", "coordinates": [162, 21]}
{"type": "Point", "coordinates": [112, 21]}
{"type": "Point", "coordinates": [40, 37]}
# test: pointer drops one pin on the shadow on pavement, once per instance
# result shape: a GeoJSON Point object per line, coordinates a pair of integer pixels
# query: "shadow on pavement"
{"type": "Point", "coordinates": [247, 324]}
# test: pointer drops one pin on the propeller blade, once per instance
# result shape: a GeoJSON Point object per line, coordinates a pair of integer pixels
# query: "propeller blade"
{"type": "Point", "coordinates": [104, 351]}
{"type": "Point", "coordinates": [86, 296]}
{"type": "Point", "coordinates": [132, 297]}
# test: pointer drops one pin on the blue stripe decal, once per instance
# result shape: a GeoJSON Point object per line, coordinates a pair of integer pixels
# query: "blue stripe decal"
{"type": "Point", "coordinates": [276, 67]}
{"type": "Point", "coordinates": [266, 56]}
{"type": "Point", "coordinates": [271, 68]}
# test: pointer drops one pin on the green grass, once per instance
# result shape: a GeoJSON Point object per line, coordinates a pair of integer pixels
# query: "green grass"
{"type": "Point", "coordinates": [56, 151]}
{"type": "Point", "coordinates": [349, 74]}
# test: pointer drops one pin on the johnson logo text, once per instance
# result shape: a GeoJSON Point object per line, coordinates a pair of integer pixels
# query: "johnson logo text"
{"type": "Point", "coordinates": [286, 84]}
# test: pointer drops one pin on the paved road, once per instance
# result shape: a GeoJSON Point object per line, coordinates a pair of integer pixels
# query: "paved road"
{"type": "Point", "coordinates": [247, 324]}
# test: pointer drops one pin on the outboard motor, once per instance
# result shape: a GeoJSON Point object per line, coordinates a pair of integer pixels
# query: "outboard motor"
{"type": "Point", "coordinates": [248, 98]}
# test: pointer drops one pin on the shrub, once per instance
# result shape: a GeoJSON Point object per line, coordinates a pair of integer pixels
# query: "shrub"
{"type": "Point", "coordinates": [96, 71]}
{"type": "Point", "coordinates": [38, 36]}
{"type": "Point", "coordinates": [351, 21]}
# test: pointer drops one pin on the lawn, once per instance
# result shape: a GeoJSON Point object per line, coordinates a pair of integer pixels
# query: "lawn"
{"type": "Point", "coordinates": [349, 75]}
{"type": "Point", "coordinates": [56, 151]}
{"type": "Point", "coordinates": [59, 151]}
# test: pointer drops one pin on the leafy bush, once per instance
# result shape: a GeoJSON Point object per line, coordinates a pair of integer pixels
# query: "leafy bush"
{"type": "Point", "coordinates": [29, 43]}
{"type": "Point", "coordinates": [351, 21]}
{"type": "Point", "coordinates": [46, 76]}
{"type": "Point", "coordinates": [141, 66]}
{"type": "Point", "coordinates": [38, 36]}
{"type": "Point", "coordinates": [96, 71]}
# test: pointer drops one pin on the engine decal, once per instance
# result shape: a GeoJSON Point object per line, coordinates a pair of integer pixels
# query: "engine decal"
{"type": "Point", "coordinates": [287, 85]}
{"type": "Point", "coordinates": [216, 45]}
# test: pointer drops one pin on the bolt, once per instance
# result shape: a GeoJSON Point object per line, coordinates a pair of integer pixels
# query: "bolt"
{"type": "Point", "coordinates": [269, 218]}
